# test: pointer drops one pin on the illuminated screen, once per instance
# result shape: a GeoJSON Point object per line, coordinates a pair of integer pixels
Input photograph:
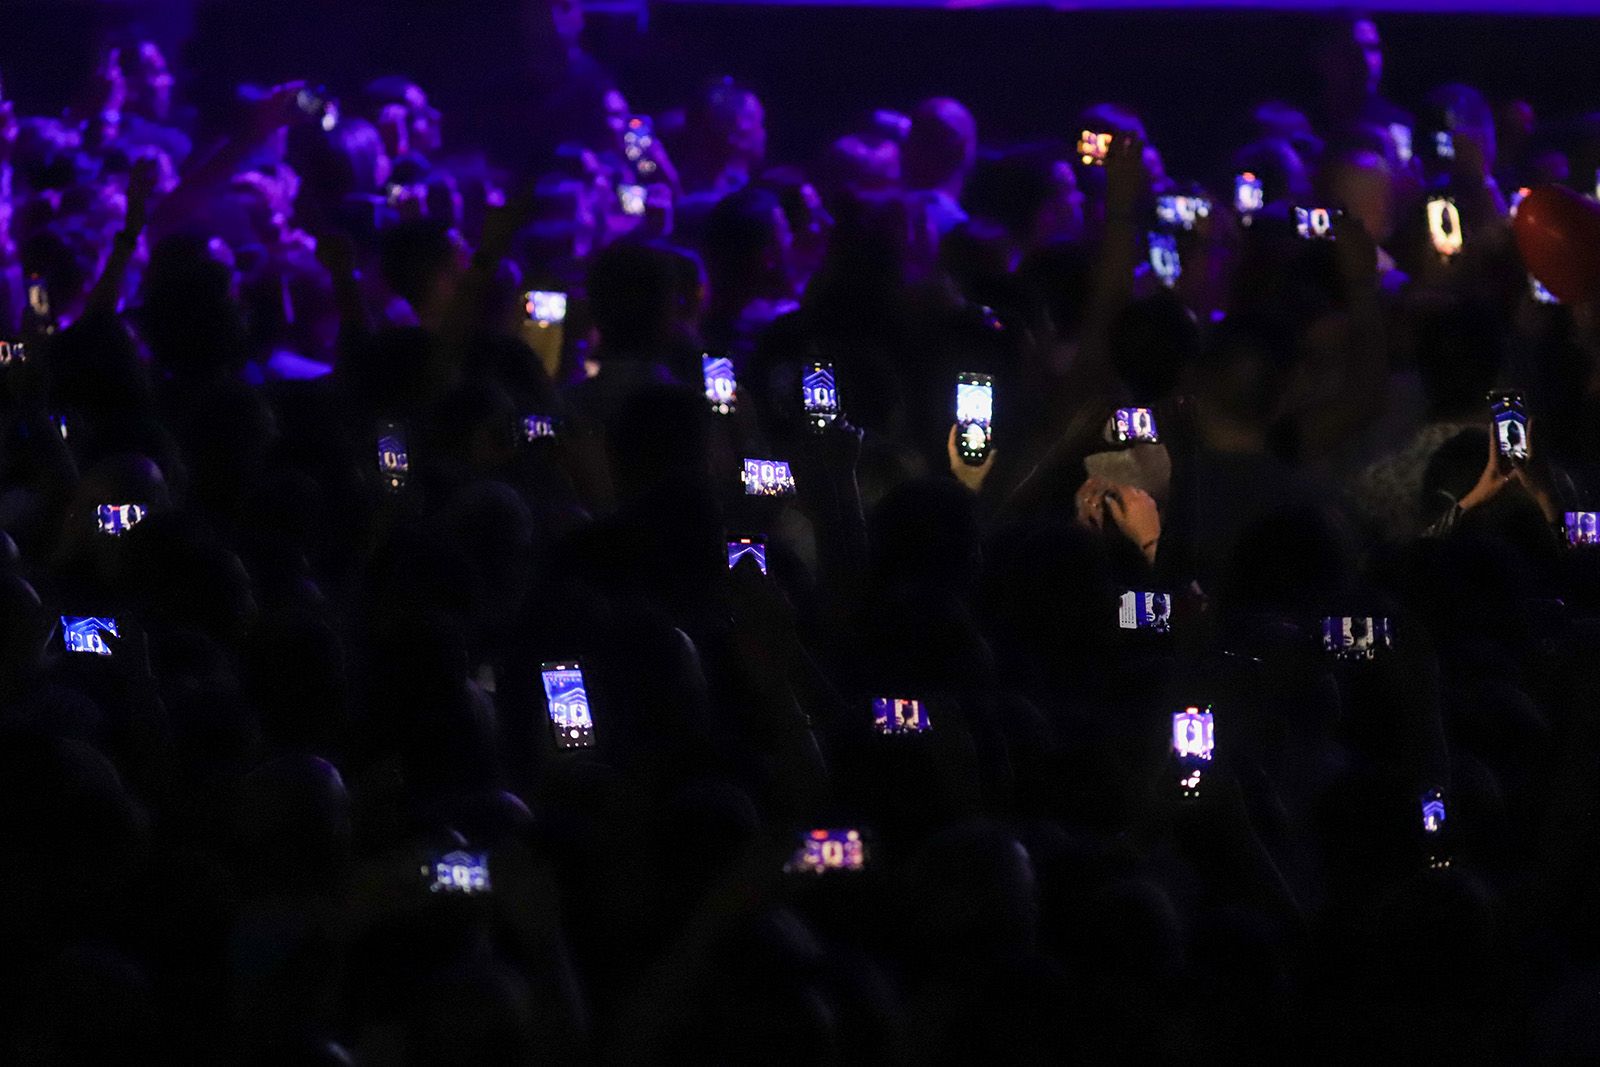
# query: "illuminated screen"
{"type": "Point", "coordinates": [568, 703]}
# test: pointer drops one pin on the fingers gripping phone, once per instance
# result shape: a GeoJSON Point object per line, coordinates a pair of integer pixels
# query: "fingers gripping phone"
{"type": "Point", "coordinates": [1093, 147]}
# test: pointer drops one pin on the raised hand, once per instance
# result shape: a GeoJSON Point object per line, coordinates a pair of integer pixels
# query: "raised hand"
{"type": "Point", "coordinates": [968, 475]}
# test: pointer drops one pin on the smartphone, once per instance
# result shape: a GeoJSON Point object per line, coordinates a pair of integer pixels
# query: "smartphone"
{"type": "Point", "coordinates": [1581, 527]}
{"type": "Point", "coordinates": [898, 715]}
{"type": "Point", "coordinates": [1433, 814]}
{"type": "Point", "coordinates": [821, 396]}
{"type": "Point", "coordinates": [824, 850]}
{"type": "Point", "coordinates": [1193, 743]}
{"type": "Point", "coordinates": [632, 199]}
{"type": "Point", "coordinates": [974, 417]}
{"type": "Point", "coordinates": [1444, 144]}
{"type": "Point", "coordinates": [637, 137]}
{"type": "Point", "coordinates": [1164, 258]}
{"type": "Point", "coordinates": [1510, 426]}
{"type": "Point", "coordinates": [117, 519]}
{"type": "Point", "coordinates": [1182, 212]}
{"type": "Point", "coordinates": [39, 304]}
{"type": "Point", "coordinates": [1249, 196]}
{"type": "Point", "coordinates": [567, 700]}
{"type": "Point", "coordinates": [754, 548]}
{"type": "Point", "coordinates": [1356, 637]}
{"type": "Point", "coordinates": [1517, 197]}
{"type": "Point", "coordinates": [1315, 223]}
{"type": "Point", "coordinates": [1134, 424]}
{"type": "Point", "coordinates": [458, 873]}
{"type": "Point", "coordinates": [87, 633]}
{"type": "Point", "coordinates": [1093, 145]}
{"type": "Point", "coordinates": [767, 477]}
{"type": "Point", "coordinates": [546, 308]}
{"type": "Point", "coordinates": [315, 104]}
{"type": "Point", "coordinates": [538, 427]}
{"type": "Point", "coordinates": [722, 388]}
{"type": "Point", "coordinates": [1444, 225]}
{"type": "Point", "coordinates": [1400, 134]}
{"type": "Point", "coordinates": [1540, 293]}
{"type": "Point", "coordinates": [12, 352]}
{"type": "Point", "coordinates": [1139, 610]}
{"type": "Point", "coordinates": [394, 462]}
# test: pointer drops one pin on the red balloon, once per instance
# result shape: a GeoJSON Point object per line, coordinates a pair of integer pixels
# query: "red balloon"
{"type": "Point", "coordinates": [1558, 234]}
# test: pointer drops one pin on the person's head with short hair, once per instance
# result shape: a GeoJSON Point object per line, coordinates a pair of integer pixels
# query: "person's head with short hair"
{"type": "Point", "coordinates": [746, 244]}
{"type": "Point", "coordinates": [422, 261]}
{"type": "Point", "coordinates": [1349, 56]}
{"type": "Point", "coordinates": [1032, 193]}
{"type": "Point", "coordinates": [725, 136]}
{"type": "Point", "coordinates": [1241, 375]}
{"type": "Point", "coordinates": [1458, 346]}
{"type": "Point", "coordinates": [941, 148]}
{"type": "Point", "coordinates": [1463, 111]}
{"type": "Point", "coordinates": [1361, 180]}
{"type": "Point", "coordinates": [633, 292]}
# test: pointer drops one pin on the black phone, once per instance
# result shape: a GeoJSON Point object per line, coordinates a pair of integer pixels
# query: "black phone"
{"type": "Point", "coordinates": [567, 703]}
{"type": "Point", "coordinates": [829, 849]}
{"type": "Point", "coordinates": [1510, 417]}
{"type": "Point", "coordinates": [1093, 147]}
{"type": "Point", "coordinates": [316, 105]}
{"type": "Point", "coordinates": [394, 459]}
{"type": "Point", "coordinates": [1193, 744]}
{"type": "Point", "coordinates": [820, 394]}
{"type": "Point", "coordinates": [751, 548]}
{"type": "Point", "coordinates": [1316, 223]}
{"type": "Point", "coordinates": [538, 428]}
{"type": "Point", "coordinates": [457, 873]}
{"type": "Point", "coordinates": [974, 417]}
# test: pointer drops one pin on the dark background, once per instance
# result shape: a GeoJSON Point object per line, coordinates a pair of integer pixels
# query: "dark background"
{"type": "Point", "coordinates": [1023, 70]}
